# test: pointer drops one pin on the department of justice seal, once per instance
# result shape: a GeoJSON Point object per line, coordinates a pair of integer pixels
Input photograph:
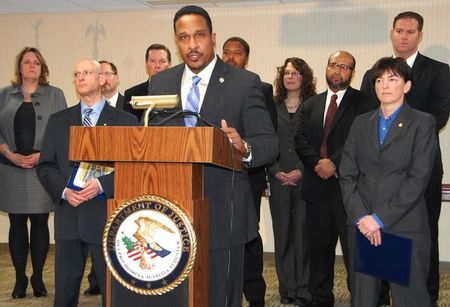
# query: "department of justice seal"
{"type": "Point", "coordinates": [149, 245]}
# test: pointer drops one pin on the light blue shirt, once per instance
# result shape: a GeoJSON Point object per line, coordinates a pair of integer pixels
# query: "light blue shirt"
{"type": "Point", "coordinates": [96, 110]}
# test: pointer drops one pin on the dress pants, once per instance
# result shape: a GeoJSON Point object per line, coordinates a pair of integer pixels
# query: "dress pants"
{"type": "Point", "coordinates": [366, 288]}
{"type": "Point", "coordinates": [326, 220]}
{"type": "Point", "coordinates": [226, 276]}
{"type": "Point", "coordinates": [290, 237]}
{"type": "Point", "coordinates": [70, 260]}
{"type": "Point", "coordinates": [433, 198]}
{"type": "Point", "coordinates": [254, 284]}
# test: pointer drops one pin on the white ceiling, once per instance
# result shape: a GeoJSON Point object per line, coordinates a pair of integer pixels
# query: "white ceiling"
{"type": "Point", "coordinates": [76, 6]}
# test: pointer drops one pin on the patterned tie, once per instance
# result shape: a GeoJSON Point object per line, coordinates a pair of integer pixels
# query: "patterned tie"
{"type": "Point", "coordinates": [193, 101]}
{"type": "Point", "coordinates": [87, 121]}
{"type": "Point", "coordinates": [332, 108]}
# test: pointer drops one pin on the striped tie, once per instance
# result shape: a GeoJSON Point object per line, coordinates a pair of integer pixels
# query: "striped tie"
{"type": "Point", "coordinates": [87, 121]}
{"type": "Point", "coordinates": [193, 101]}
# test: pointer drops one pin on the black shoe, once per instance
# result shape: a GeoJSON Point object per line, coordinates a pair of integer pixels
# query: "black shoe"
{"type": "Point", "coordinates": [20, 288]}
{"type": "Point", "coordinates": [92, 290]}
{"type": "Point", "coordinates": [39, 289]}
{"type": "Point", "coordinates": [287, 301]}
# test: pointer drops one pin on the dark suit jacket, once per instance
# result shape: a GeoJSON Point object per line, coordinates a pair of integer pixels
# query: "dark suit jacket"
{"type": "Point", "coordinates": [257, 175]}
{"type": "Point", "coordinates": [288, 159]}
{"type": "Point", "coordinates": [120, 102]}
{"type": "Point", "coordinates": [389, 180]}
{"type": "Point", "coordinates": [430, 93]}
{"type": "Point", "coordinates": [309, 131]}
{"type": "Point", "coordinates": [235, 95]}
{"type": "Point", "coordinates": [138, 90]}
{"type": "Point", "coordinates": [86, 221]}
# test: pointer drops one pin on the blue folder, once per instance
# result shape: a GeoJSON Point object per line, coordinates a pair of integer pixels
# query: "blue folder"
{"type": "Point", "coordinates": [389, 261]}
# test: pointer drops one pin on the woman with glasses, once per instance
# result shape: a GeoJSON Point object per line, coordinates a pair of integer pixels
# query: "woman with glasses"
{"type": "Point", "coordinates": [25, 107]}
{"type": "Point", "coordinates": [294, 83]}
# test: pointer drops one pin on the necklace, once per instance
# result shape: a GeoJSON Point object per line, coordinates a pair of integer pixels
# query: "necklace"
{"type": "Point", "coordinates": [292, 108]}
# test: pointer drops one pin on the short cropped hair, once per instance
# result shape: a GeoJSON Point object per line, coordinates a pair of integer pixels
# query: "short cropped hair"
{"type": "Point", "coordinates": [193, 9]}
{"type": "Point", "coordinates": [397, 66]}
{"type": "Point", "coordinates": [409, 14]}
{"type": "Point", "coordinates": [158, 47]}
{"type": "Point", "coordinates": [241, 41]}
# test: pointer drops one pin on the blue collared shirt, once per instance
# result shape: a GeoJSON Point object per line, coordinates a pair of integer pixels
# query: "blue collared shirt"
{"type": "Point", "coordinates": [385, 123]}
{"type": "Point", "coordinates": [96, 110]}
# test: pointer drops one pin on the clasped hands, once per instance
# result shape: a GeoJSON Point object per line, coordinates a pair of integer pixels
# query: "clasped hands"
{"type": "Point", "coordinates": [290, 178]}
{"type": "Point", "coordinates": [369, 227]}
{"type": "Point", "coordinates": [90, 190]}
{"type": "Point", "coordinates": [325, 168]}
{"type": "Point", "coordinates": [22, 161]}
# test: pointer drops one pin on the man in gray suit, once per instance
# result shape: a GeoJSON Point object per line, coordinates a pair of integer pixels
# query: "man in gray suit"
{"type": "Point", "coordinates": [385, 168]}
{"type": "Point", "coordinates": [80, 216]}
{"type": "Point", "coordinates": [230, 98]}
{"type": "Point", "coordinates": [430, 94]}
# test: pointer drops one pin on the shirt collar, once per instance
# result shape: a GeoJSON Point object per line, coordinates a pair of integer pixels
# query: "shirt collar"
{"type": "Point", "coordinates": [96, 108]}
{"type": "Point", "coordinates": [393, 115]}
{"type": "Point", "coordinates": [113, 100]}
{"type": "Point", "coordinates": [411, 59]}
{"type": "Point", "coordinates": [340, 94]}
{"type": "Point", "coordinates": [205, 74]}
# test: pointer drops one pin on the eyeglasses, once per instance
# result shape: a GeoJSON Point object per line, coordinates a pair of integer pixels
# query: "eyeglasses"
{"type": "Point", "coordinates": [288, 73]}
{"type": "Point", "coordinates": [340, 66]}
{"type": "Point", "coordinates": [109, 74]}
{"type": "Point", "coordinates": [84, 73]}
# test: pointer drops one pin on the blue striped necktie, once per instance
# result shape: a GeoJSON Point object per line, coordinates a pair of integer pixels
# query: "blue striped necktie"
{"type": "Point", "coordinates": [193, 102]}
{"type": "Point", "coordinates": [87, 121]}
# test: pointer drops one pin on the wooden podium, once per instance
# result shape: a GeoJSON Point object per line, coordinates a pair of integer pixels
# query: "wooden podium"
{"type": "Point", "coordinates": [163, 161]}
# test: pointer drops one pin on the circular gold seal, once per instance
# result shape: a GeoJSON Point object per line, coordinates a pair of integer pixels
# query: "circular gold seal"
{"type": "Point", "coordinates": [149, 245]}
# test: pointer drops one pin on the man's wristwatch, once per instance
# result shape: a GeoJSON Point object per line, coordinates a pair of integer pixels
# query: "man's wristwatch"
{"type": "Point", "coordinates": [247, 149]}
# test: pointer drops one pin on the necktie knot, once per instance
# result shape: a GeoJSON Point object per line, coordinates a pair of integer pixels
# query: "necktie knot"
{"type": "Point", "coordinates": [87, 121]}
{"type": "Point", "coordinates": [196, 80]}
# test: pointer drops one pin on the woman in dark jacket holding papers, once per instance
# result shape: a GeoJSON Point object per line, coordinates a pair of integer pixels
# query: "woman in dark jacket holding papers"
{"type": "Point", "coordinates": [385, 168]}
{"type": "Point", "coordinates": [24, 110]}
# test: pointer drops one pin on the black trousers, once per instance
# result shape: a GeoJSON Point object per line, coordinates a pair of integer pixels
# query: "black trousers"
{"type": "Point", "coordinates": [326, 222]}
{"type": "Point", "coordinates": [70, 260]}
{"type": "Point", "coordinates": [38, 243]}
{"type": "Point", "coordinates": [254, 284]}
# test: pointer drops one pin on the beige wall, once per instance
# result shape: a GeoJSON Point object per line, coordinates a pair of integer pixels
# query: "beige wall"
{"type": "Point", "coordinates": [311, 31]}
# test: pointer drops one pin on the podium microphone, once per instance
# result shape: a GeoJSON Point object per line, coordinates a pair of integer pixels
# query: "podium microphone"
{"type": "Point", "coordinates": [184, 113]}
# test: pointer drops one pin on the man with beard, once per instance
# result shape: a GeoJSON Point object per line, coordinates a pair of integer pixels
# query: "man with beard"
{"type": "Point", "coordinates": [322, 127]}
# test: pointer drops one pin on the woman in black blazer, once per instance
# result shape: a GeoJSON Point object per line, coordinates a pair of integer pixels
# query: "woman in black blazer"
{"type": "Point", "coordinates": [294, 84]}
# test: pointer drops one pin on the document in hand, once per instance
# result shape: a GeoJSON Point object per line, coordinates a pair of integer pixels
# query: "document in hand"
{"type": "Point", "coordinates": [389, 261]}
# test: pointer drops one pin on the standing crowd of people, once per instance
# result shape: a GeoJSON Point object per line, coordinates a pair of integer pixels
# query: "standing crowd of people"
{"type": "Point", "coordinates": [339, 164]}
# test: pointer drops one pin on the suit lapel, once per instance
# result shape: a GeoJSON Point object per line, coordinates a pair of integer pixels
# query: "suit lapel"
{"type": "Point", "coordinates": [75, 116]}
{"type": "Point", "coordinates": [216, 86]}
{"type": "Point", "coordinates": [399, 127]}
{"type": "Point", "coordinates": [106, 117]}
{"type": "Point", "coordinates": [372, 130]}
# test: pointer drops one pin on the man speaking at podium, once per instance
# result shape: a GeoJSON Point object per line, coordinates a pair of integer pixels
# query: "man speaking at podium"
{"type": "Point", "coordinates": [230, 98]}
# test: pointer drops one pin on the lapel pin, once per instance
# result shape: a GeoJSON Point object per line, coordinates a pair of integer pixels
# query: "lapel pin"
{"type": "Point", "coordinates": [221, 80]}
{"type": "Point", "coordinates": [400, 125]}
